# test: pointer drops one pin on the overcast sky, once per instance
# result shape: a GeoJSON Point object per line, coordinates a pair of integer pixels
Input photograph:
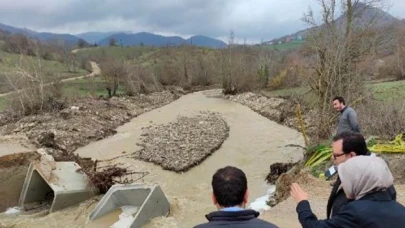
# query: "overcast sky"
{"type": "Point", "coordinates": [250, 19]}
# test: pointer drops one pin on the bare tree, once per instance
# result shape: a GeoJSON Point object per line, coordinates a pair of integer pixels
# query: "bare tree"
{"type": "Point", "coordinates": [112, 41]}
{"type": "Point", "coordinates": [20, 44]}
{"type": "Point", "coordinates": [337, 45]}
{"type": "Point", "coordinates": [400, 52]}
{"type": "Point", "coordinates": [32, 94]}
{"type": "Point", "coordinates": [81, 43]}
{"type": "Point", "coordinates": [226, 63]}
{"type": "Point", "coordinates": [140, 79]}
{"type": "Point", "coordinates": [113, 73]}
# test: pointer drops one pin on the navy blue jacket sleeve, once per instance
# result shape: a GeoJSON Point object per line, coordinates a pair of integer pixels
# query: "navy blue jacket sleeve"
{"type": "Point", "coordinates": [345, 218]}
{"type": "Point", "coordinates": [393, 193]}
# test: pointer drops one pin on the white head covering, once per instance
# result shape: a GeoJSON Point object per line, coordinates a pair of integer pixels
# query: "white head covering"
{"type": "Point", "coordinates": [364, 174]}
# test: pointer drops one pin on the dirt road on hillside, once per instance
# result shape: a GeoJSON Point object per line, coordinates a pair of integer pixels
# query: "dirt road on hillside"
{"type": "Point", "coordinates": [95, 71]}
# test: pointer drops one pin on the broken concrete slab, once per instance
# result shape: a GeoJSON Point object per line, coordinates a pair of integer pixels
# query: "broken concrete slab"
{"type": "Point", "coordinates": [58, 182]}
{"type": "Point", "coordinates": [13, 144]}
{"type": "Point", "coordinates": [150, 200]}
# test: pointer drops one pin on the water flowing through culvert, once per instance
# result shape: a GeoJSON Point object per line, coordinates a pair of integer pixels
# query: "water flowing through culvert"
{"type": "Point", "coordinates": [253, 144]}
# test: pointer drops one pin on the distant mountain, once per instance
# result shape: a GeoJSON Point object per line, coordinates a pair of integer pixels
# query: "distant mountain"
{"type": "Point", "coordinates": [65, 39]}
{"type": "Point", "coordinates": [368, 13]}
{"type": "Point", "coordinates": [14, 30]}
{"type": "Point", "coordinates": [142, 38]}
{"type": "Point", "coordinates": [205, 41]}
{"type": "Point", "coordinates": [150, 39]}
{"type": "Point", "coordinates": [94, 37]}
{"type": "Point", "coordinates": [127, 38]}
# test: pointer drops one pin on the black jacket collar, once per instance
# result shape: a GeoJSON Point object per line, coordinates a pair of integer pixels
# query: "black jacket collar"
{"type": "Point", "coordinates": [232, 215]}
{"type": "Point", "coordinates": [341, 111]}
{"type": "Point", "coordinates": [381, 195]}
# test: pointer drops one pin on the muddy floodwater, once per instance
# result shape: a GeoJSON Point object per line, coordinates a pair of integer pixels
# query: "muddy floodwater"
{"type": "Point", "coordinates": [253, 144]}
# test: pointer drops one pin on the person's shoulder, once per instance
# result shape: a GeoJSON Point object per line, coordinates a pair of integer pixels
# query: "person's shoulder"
{"type": "Point", "coordinates": [203, 225]}
{"type": "Point", "coordinates": [350, 109]}
{"type": "Point", "coordinates": [262, 223]}
{"type": "Point", "coordinates": [256, 223]}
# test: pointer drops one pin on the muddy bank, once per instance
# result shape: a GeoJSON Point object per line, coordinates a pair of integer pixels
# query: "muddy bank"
{"type": "Point", "coordinates": [276, 170]}
{"type": "Point", "coordinates": [84, 121]}
{"type": "Point", "coordinates": [183, 143]}
{"type": "Point", "coordinates": [15, 143]}
{"type": "Point", "coordinates": [281, 110]}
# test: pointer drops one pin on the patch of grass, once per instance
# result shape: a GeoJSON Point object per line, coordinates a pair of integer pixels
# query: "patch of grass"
{"type": "Point", "coordinates": [77, 89]}
{"type": "Point", "coordinates": [117, 52]}
{"type": "Point", "coordinates": [385, 91]}
{"type": "Point", "coordinates": [87, 87]}
{"type": "Point", "coordinates": [388, 90]}
{"type": "Point", "coordinates": [10, 60]}
{"type": "Point", "coordinates": [305, 93]}
{"type": "Point", "coordinates": [51, 70]}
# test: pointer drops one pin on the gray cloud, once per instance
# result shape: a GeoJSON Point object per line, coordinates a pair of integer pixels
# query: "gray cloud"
{"type": "Point", "coordinates": [250, 19]}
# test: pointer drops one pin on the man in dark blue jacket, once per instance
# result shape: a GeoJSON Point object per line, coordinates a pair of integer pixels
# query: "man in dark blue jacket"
{"type": "Point", "coordinates": [345, 146]}
{"type": "Point", "coordinates": [230, 195]}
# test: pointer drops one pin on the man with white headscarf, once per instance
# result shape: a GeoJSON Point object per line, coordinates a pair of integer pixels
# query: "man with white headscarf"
{"type": "Point", "coordinates": [365, 180]}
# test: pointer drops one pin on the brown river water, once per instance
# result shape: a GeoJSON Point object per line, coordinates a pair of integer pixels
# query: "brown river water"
{"type": "Point", "coordinates": [254, 143]}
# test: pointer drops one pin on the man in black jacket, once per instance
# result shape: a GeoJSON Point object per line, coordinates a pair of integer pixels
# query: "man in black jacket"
{"type": "Point", "coordinates": [345, 146]}
{"type": "Point", "coordinates": [230, 196]}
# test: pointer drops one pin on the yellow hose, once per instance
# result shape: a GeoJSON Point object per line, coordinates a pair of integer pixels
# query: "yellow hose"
{"type": "Point", "coordinates": [395, 146]}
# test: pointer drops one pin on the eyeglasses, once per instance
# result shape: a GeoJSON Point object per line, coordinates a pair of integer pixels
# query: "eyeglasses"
{"type": "Point", "coordinates": [337, 155]}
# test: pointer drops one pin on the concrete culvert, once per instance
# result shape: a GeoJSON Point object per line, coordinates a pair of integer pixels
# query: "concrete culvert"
{"type": "Point", "coordinates": [58, 183]}
{"type": "Point", "coordinates": [38, 192]}
{"type": "Point", "coordinates": [13, 170]}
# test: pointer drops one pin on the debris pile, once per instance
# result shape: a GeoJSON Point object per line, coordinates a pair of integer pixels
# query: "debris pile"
{"type": "Point", "coordinates": [283, 184]}
{"type": "Point", "coordinates": [103, 176]}
{"type": "Point", "coordinates": [83, 121]}
{"type": "Point", "coordinates": [184, 143]}
{"type": "Point", "coordinates": [276, 170]}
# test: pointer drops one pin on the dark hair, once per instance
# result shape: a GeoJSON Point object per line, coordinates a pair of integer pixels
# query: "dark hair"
{"type": "Point", "coordinates": [340, 99]}
{"type": "Point", "coordinates": [229, 185]}
{"type": "Point", "coordinates": [352, 142]}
